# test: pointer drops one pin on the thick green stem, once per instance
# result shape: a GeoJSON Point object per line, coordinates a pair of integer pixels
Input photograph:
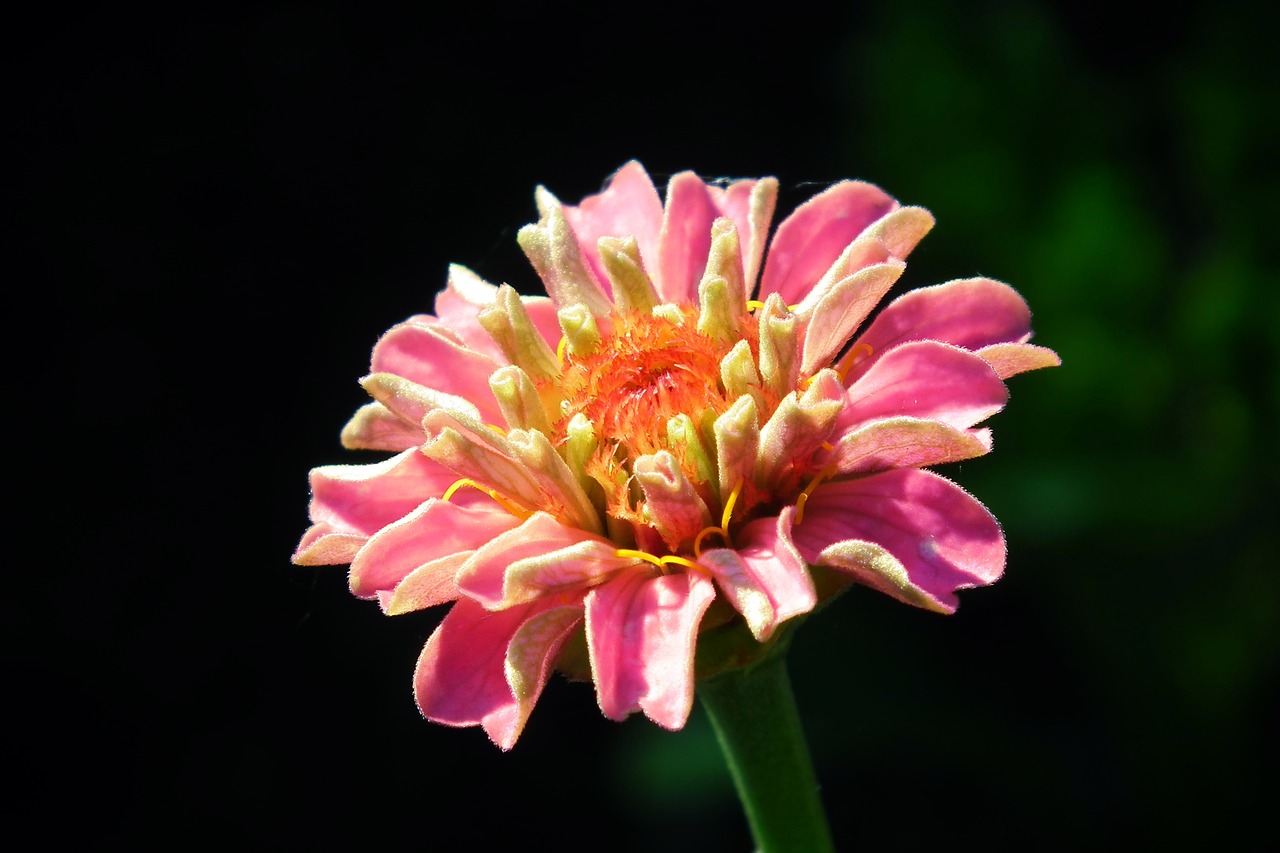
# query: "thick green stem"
{"type": "Point", "coordinates": [754, 714]}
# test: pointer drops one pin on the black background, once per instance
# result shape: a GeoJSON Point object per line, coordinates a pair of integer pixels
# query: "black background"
{"type": "Point", "coordinates": [221, 207]}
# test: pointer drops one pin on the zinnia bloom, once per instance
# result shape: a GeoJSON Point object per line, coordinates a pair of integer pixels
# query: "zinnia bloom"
{"type": "Point", "coordinates": [687, 419]}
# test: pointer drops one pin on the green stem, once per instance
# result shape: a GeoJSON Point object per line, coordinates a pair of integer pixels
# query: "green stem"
{"type": "Point", "coordinates": [756, 720]}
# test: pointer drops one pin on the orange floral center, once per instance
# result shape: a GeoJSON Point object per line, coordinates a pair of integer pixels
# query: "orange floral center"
{"type": "Point", "coordinates": [647, 370]}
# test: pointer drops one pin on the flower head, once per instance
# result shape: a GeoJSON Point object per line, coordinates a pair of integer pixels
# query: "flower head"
{"type": "Point", "coordinates": [670, 444]}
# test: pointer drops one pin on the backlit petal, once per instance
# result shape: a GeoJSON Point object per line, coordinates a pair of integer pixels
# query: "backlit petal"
{"type": "Point", "coordinates": [435, 529]}
{"type": "Point", "coordinates": [540, 555]}
{"type": "Point", "coordinates": [810, 240]}
{"type": "Point", "coordinates": [349, 503]}
{"type": "Point", "coordinates": [628, 207]}
{"type": "Point", "coordinates": [926, 379]}
{"type": "Point", "coordinates": [686, 238]}
{"type": "Point", "coordinates": [426, 586]}
{"type": "Point", "coordinates": [906, 442]}
{"type": "Point", "coordinates": [969, 313]}
{"type": "Point", "coordinates": [428, 355]}
{"type": "Point", "coordinates": [465, 673]}
{"type": "Point", "coordinates": [763, 575]}
{"type": "Point", "coordinates": [908, 533]}
{"type": "Point", "coordinates": [1011, 359]}
{"type": "Point", "coordinates": [640, 635]}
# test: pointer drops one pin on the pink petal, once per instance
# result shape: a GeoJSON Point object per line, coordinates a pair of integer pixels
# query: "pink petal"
{"type": "Point", "coordinates": [925, 379]}
{"type": "Point", "coordinates": [810, 240]}
{"type": "Point", "coordinates": [906, 443]}
{"type": "Point", "coordinates": [798, 427]}
{"type": "Point", "coordinates": [628, 207]}
{"type": "Point", "coordinates": [1011, 359]}
{"type": "Point", "coordinates": [411, 401]}
{"type": "Point", "coordinates": [686, 238]}
{"type": "Point", "coordinates": [673, 505]}
{"type": "Point", "coordinates": [692, 206]}
{"type": "Point", "coordinates": [466, 671]}
{"type": "Point", "coordinates": [431, 356]}
{"type": "Point", "coordinates": [541, 555]}
{"type": "Point", "coordinates": [561, 489]}
{"type": "Point", "coordinates": [471, 450]}
{"type": "Point", "coordinates": [889, 239]}
{"type": "Point", "coordinates": [323, 544]}
{"type": "Point", "coordinates": [552, 248]}
{"type": "Point", "coordinates": [968, 313]}
{"type": "Point", "coordinates": [434, 530]}
{"type": "Point", "coordinates": [640, 634]}
{"type": "Point", "coordinates": [375, 427]}
{"type": "Point", "coordinates": [909, 533]}
{"type": "Point", "coordinates": [841, 311]}
{"type": "Point", "coordinates": [349, 503]}
{"type": "Point", "coordinates": [763, 575]}
{"type": "Point", "coordinates": [426, 586]}
{"type": "Point", "coordinates": [542, 313]}
{"type": "Point", "coordinates": [750, 205]}
{"type": "Point", "coordinates": [466, 293]}
{"type": "Point", "coordinates": [531, 656]}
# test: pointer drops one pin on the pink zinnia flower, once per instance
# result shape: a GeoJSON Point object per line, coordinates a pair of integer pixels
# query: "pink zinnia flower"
{"type": "Point", "coordinates": [674, 426]}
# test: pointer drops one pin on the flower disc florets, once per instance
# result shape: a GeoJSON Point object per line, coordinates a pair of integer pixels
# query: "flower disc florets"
{"type": "Point", "coordinates": [646, 371]}
{"type": "Point", "coordinates": [650, 385]}
{"type": "Point", "coordinates": [679, 422]}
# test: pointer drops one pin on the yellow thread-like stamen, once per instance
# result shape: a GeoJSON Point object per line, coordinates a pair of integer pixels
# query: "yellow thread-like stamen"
{"type": "Point", "coordinates": [560, 349]}
{"type": "Point", "coordinates": [448, 493]}
{"type": "Point", "coordinates": [756, 305]}
{"type": "Point", "coordinates": [728, 507]}
{"type": "Point", "coordinates": [510, 507]}
{"type": "Point", "coordinates": [808, 490]}
{"type": "Point", "coordinates": [628, 553]}
{"type": "Point", "coordinates": [725, 518]}
{"type": "Point", "coordinates": [502, 502]}
{"type": "Point", "coordinates": [660, 562]}
{"type": "Point", "coordinates": [680, 561]}
{"type": "Point", "coordinates": [852, 357]}
{"type": "Point", "coordinates": [499, 430]}
{"type": "Point", "coordinates": [702, 534]}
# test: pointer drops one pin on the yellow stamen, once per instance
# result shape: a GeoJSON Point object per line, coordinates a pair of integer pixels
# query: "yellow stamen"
{"type": "Point", "coordinates": [680, 561]}
{"type": "Point", "coordinates": [499, 430]}
{"type": "Point", "coordinates": [852, 357]}
{"type": "Point", "coordinates": [728, 507]}
{"type": "Point", "coordinates": [756, 305]}
{"type": "Point", "coordinates": [502, 502]}
{"type": "Point", "coordinates": [448, 493]}
{"type": "Point", "coordinates": [628, 553]}
{"type": "Point", "coordinates": [660, 562]}
{"type": "Point", "coordinates": [725, 518]}
{"type": "Point", "coordinates": [564, 340]}
{"type": "Point", "coordinates": [808, 490]}
{"type": "Point", "coordinates": [702, 534]}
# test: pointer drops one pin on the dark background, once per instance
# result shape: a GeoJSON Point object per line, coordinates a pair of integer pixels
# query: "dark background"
{"type": "Point", "coordinates": [222, 207]}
